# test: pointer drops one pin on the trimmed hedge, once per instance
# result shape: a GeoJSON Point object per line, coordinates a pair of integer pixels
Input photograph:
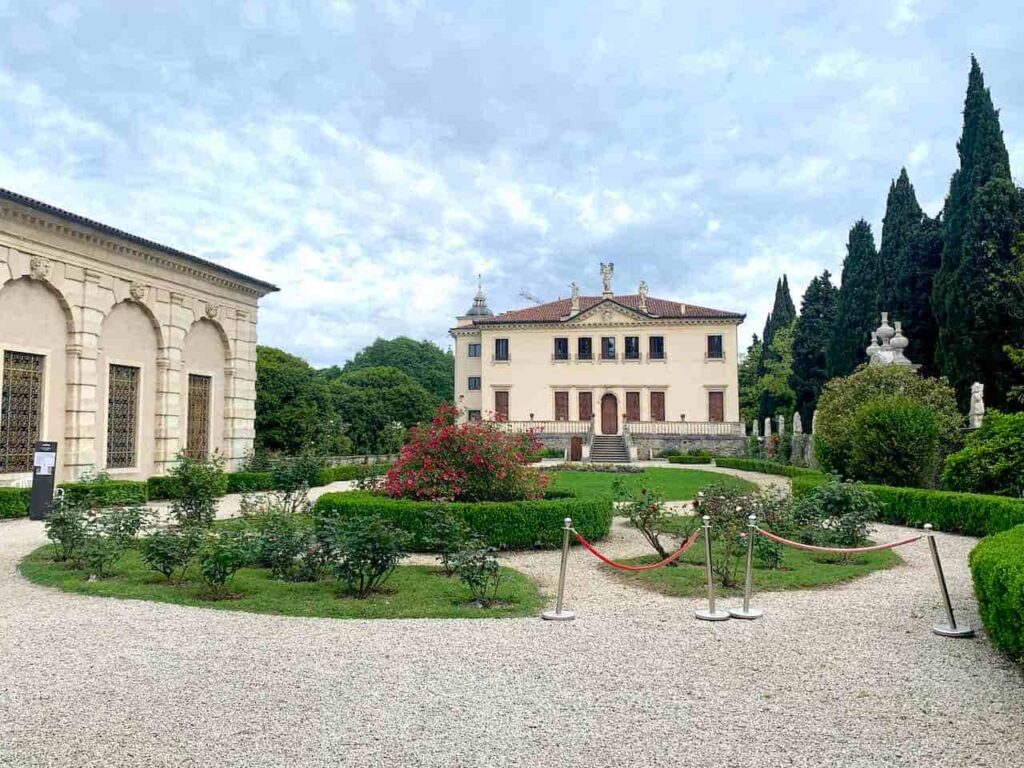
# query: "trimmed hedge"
{"type": "Point", "coordinates": [249, 482]}
{"type": "Point", "coordinates": [502, 524]}
{"type": "Point", "coordinates": [14, 502]}
{"type": "Point", "coordinates": [689, 459]}
{"type": "Point", "coordinates": [997, 568]}
{"type": "Point", "coordinates": [163, 487]}
{"type": "Point", "coordinates": [342, 472]}
{"type": "Point", "coordinates": [107, 493]}
{"type": "Point", "coordinates": [765, 467]}
{"type": "Point", "coordinates": [973, 514]}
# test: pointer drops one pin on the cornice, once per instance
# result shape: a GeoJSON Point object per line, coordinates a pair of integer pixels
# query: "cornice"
{"type": "Point", "coordinates": [564, 325]}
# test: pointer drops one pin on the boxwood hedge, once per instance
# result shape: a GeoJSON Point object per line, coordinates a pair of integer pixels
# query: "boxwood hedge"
{"type": "Point", "coordinates": [14, 502]}
{"type": "Point", "coordinates": [689, 459]}
{"type": "Point", "coordinates": [502, 524]}
{"type": "Point", "coordinates": [108, 492]}
{"type": "Point", "coordinates": [997, 567]}
{"type": "Point", "coordinates": [766, 467]}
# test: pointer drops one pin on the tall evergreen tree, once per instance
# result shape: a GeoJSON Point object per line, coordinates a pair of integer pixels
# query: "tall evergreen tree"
{"type": "Point", "coordinates": [750, 395]}
{"type": "Point", "coordinates": [973, 296]}
{"type": "Point", "coordinates": [782, 316]}
{"type": "Point", "coordinates": [909, 257]}
{"type": "Point", "coordinates": [810, 344]}
{"type": "Point", "coordinates": [857, 304]}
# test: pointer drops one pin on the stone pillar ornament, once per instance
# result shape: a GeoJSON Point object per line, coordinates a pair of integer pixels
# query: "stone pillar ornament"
{"type": "Point", "coordinates": [781, 421]}
{"type": "Point", "coordinates": [755, 429]}
{"type": "Point", "coordinates": [767, 426]}
{"type": "Point", "coordinates": [798, 424]}
{"type": "Point", "coordinates": [976, 415]}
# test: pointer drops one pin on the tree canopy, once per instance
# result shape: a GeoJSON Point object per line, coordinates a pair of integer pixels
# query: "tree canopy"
{"type": "Point", "coordinates": [424, 361]}
{"type": "Point", "coordinates": [811, 338]}
{"type": "Point", "coordinates": [782, 317]}
{"type": "Point", "coordinates": [857, 309]}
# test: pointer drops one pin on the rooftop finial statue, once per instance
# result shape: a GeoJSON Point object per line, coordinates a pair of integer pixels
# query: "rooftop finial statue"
{"type": "Point", "coordinates": [575, 297]}
{"type": "Point", "coordinates": [642, 292]}
{"type": "Point", "coordinates": [607, 270]}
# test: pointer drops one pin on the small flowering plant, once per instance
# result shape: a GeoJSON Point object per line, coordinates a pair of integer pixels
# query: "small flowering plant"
{"type": "Point", "coordinates": [470, 461]}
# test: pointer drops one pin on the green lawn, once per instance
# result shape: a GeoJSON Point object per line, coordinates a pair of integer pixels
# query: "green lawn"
{"type": "Point", "coordinates": [800, 570]}
{"type": "Point", "coordinates": [412, 592]}
{"type": "Point", "coordinates": [676, 484]}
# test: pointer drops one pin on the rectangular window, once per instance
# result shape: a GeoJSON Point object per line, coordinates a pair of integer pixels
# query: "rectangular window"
{"type": "Point", "coordinates": [122, 415]}
{"type": "Point", "coordinates": [501, 406]}
{"type": "Point", "coordinates": [657, 406]}
{"type": "Point", "coordinates": [474, 350]}
{"type": "Point", "coordinates": [585, 349]}
{"type": "Point", "coordinates": [586, 403]}
{"type": "Point", "coordinates": [632, 406]}
{"type": "Point", "coordinates": [197, 445]}
{"type": "Point", "coordinates": [715, 347]}
{"type": "Point", "coordinates": [21, 410]}
{"type": "Point", "coordinates": [561, 406]}
{"type": "Point", "coordinates": [607, 347]}
{"type": "Point", "coordinates": [632, 347]}
{"type": "Point", "coordinates": [561, 349]}
{"type": "Point", "coordinates": [473, 415]}
{"type": "Point", "coordinates": [501, 349]}
{"type": "Point", "coordinates": [716, 406]}
{"type": "Point", "coordinates": [474, 383]}
{"type": "Point", "coordinates": [656, 348]}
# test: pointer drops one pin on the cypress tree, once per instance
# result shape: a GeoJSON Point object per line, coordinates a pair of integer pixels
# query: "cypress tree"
{"type": "Point", "coordinates": [857, 305]}
{"type": "Point", "coordinates": [909, 257]}
{"type": "Point", "coordinates": [782, 316]}
{"type": "Point", "coordinates": [973, 292]}
{"type": "Point", "coordinates": [810, 344]}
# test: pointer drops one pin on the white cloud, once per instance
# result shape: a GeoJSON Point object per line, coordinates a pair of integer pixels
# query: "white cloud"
{"type": "Point", "coordinates": [903, 15]}
{"type": "Point", "coordinates": [847, 64]}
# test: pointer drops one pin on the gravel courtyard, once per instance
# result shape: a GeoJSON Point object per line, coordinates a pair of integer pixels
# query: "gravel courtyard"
{"type": "Point", "coordinates": [849, 676]}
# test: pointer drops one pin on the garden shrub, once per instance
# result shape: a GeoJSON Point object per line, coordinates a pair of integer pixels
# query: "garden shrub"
{"type": "Point", "coordinates": [836, 514]}
{"type": "Point", "coordinates": [364, 550]}
{"type": "Point", "coordinates": [668, 453]}
{"type": "Point", "coordinates": [93, 538]}
{"type": "Point", "coordinates": [163, 488]}
{"type": "Point", "coordinates": [170, 551]}
{"type": "Point", "coordinates": [625, 469]}
{"type": "Point", "coordinates": [249, 482]}
{"type": "Point", "coordinates": [446, 534]}
{"type": "Point", "coordinates": [689, 459]}
{"type": "Point", "coordinates": [65, 527]}
{"type": "Point", "coordinates": [280, 539]}
{"type": "Point", "coordinates": [842, 398]}
{"type": "Point", "coordinates": [103, 492]}
{"type": "Point", "coordinates": [504, 525]}
{"type": "Point", "coordinates": [646, 511]}
{"type": "Point", "coordinates": [992, 460]}
{"type": "Point", "coordinates": [201, 482]}
{"type": "Point", "coordinates": [894, 440]}
{"type": "Point", "coordinates": [348, 472]}
{"type": "Point", "coordinates": [469, 461]}
{"type": "Point", "coordinates": [765, 467]}
{"type": "Point", "coordinates": [221, 556]}
{"type": "Point", "coordinates": [997, 568]}
{"type": "Point", "coordinates": [14, 502]}
{"type": "Point", "coordinates": [478, 569]}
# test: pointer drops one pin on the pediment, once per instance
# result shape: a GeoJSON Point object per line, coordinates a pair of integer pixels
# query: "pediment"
{"type": "Point", "coordinates": [607, 313]}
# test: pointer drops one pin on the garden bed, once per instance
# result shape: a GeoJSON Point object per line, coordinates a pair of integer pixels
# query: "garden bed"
{"type": "Point", "coordinates": [412, 591]}
{"type": "Point", "coordinates": [674, 484]}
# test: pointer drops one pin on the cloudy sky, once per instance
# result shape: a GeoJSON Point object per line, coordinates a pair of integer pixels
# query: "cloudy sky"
{"type": "Point", "coordinates": [372, 158]}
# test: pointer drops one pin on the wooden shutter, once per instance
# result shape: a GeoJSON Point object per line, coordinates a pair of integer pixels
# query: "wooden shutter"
{"type": "Point", "coordinates": [632, 406]}
{"type": "Point", "coordinates": [561, 406]}
{"type": "Point", "coordinates": [501, 406]}
{"type": "Point", "coordinates": [716, 406]}
{"type": "Point", "coordinates": [657, 406]}
{"type": "Point", "coordinates": [586, 406]}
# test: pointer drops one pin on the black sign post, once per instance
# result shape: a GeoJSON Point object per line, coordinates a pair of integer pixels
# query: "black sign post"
{"type": "Point", "coordinates": [44, 470]}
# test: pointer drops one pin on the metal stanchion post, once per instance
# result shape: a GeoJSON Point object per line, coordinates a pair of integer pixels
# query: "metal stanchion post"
{"type": "Point", "coordinates": [746, 612]}
{"type": "Point", "coordinates": [711, 614]}
{"type": "Point", "coordinates": [950, 629]}
{"type": "Point", "coordinates": [558, 614]}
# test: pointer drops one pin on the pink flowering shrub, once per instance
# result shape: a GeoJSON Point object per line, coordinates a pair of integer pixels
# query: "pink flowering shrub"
{"type": "Point", "coordinates": [464, 462]}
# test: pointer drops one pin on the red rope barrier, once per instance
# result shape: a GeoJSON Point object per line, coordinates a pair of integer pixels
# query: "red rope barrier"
{"type": "Point", "coordinates": [650, 567]}
{"type": "Point", "coordinates": [836, 550]}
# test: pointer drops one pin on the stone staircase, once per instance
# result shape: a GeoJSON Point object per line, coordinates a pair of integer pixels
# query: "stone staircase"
{"type": "Point", "coordinates": [610, 449]}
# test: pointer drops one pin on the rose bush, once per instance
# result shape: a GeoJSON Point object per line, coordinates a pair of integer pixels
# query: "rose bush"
{"type": "Point", "coordinates": [470, 461]}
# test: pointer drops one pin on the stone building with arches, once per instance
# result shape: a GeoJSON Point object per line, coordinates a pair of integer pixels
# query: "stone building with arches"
{"type": "Point", "coordinates": [123, 351]}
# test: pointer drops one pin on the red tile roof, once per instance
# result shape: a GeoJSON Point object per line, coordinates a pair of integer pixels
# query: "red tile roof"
{"type": "Point", "coordinates": [559, 310]}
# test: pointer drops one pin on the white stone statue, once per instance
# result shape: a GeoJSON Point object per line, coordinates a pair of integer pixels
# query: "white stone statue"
{"type": "Point", "coordinates": [781, 421]}
{"type": "Point", "coordinates": [575, 297]}
{"type": "Point", "coordinates": [814, 421]}
{"type": "Point", "coordinates": [976, 414]}
{"type": "Point", "coordinates": [754, 429]}
{"type": "Point", "coordinates": [642, 292]}
{"type": "Point", "coordinates": [798, 424]}
{"type": "Point", "coordinates": [767, 426]}
{"type": "Point", "coordinates": [607, 270]}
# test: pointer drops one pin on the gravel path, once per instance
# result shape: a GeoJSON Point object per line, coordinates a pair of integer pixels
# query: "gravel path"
{"type": "Point", "coordinates": [849, 676]}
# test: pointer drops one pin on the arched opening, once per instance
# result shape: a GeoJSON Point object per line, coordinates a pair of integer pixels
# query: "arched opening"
{"type": "Point", "coordinates": [203, 392]}
{"type": "Point", "coordinates": [609, 415]}
{"type": "Point", "coordinates": [35, 325]}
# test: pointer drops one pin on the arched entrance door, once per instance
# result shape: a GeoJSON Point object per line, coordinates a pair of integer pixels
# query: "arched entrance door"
{"type": "Point", "coordinates": [609, 415]}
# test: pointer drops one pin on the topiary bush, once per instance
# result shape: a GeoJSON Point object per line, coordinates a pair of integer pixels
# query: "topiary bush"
{"type": "Point", "coordinates": [689, 459]}
{"type": "Point", "coordinates": [997, 568]}
{"type": "Point", "coordinates": [766, 467]}
{"type": "Point", "coordinates": [504, 525]}
{"type": "Point", "coordinates": [14, 502]}
{"type": "Point", "coordinates": [894, 440]}
{"type": "Point", "coordinates": [107, 493]}
{"type": "Point", "coordinates": [992, 460]}
{"type": "Point", "coordinates": [842, 399]}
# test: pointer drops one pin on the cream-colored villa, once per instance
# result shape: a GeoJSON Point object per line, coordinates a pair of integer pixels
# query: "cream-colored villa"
{"type": "Point", "coordinates": [123, 351]}
{"type": "Point", "coordinates": [622, 373]}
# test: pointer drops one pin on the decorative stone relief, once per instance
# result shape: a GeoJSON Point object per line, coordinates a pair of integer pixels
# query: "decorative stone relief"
{"type": "Point", "coordinates": [212, 310]}
{"type": "Point", "coordinates": [39, 267]}
{"type": "Point", "coordinates": [137, 291]}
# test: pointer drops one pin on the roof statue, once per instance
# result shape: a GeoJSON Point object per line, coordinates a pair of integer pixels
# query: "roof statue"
{"type": "Point", "coordinates": [642, 293]}
{"type": "Point", "coordinates": [607, 270]}
{"type": "Point", "coordinates": [575, 297]}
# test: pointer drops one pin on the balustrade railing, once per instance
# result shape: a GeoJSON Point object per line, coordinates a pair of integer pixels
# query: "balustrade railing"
{"type": "Point", "coordinates": [547, 427]}
{"type": "Point", "coordinates": [710, 428]}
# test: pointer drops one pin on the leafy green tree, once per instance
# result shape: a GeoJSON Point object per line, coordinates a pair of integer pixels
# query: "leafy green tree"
{"type": "Point", "coordinates": [368, 401]}
{"type": "Point", "coordinates": [857, 304]}
{"type": "Point", "coordinates": [293, 413]}
{"type": "Point", "coordinates": [782, 316]}
{"type": "Point", "coordinates": [810, 344]}
{"type": "Point", "coordinates": [974, 289]}
{"type": "Point", "coordinates": [750, 395]}
{"type": "Point", "coordinates": [424, 361]}
{"type": "Point", "coordinates": [774, 383]}
{"type": "Point", "coordinates": [992, 460]}
{"type": "Point", "coordinates": [909, 257]}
